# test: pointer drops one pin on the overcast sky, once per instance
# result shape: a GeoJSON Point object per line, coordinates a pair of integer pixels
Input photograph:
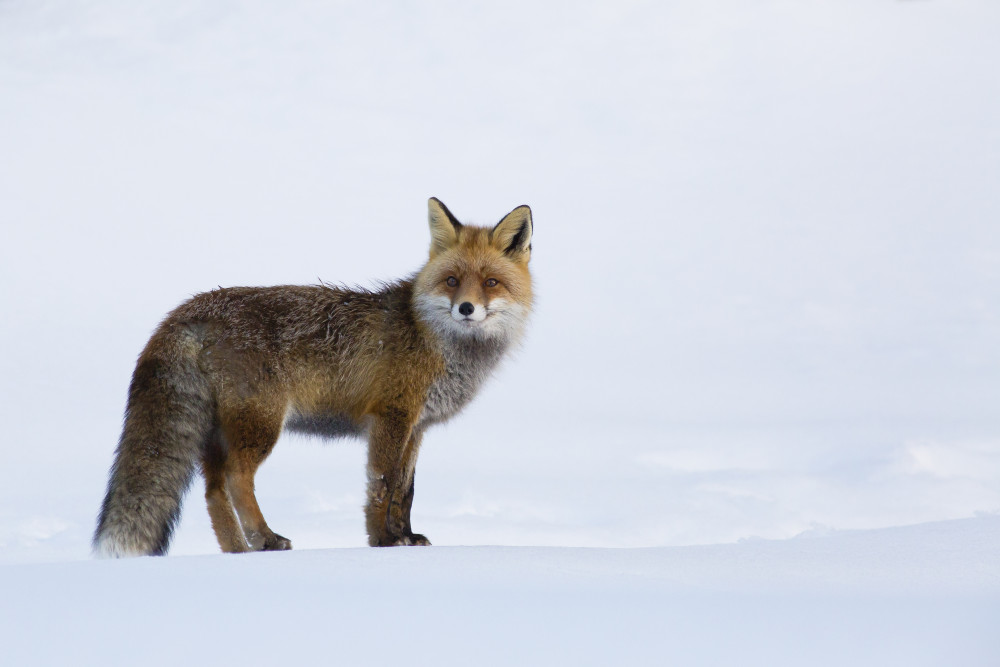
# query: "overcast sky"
{"type": "Point", "coordinates": [779, 215]}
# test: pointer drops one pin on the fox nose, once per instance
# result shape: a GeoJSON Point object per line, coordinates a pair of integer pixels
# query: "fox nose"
{"type": "Point", "coordinates": [466, 309]}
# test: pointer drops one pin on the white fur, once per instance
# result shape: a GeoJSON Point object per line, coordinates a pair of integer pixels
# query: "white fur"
{"type": "Point", "coordinates": [501, 319]}
{"type": "Point", "coordinates": [110, 546]}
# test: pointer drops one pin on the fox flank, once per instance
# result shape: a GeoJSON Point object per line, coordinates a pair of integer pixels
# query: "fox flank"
{"type": "Point", "coordinates": [228, 370]}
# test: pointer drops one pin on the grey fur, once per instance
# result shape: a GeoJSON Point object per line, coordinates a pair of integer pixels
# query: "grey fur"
{"type": "Point", "coordinates": [140, 510]}
{"type": "Point", "coordinates": [326, 425]}
{"type": "Point", "coordinates": [468, 362]}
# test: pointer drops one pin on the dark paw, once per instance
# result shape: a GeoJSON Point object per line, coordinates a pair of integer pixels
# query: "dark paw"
{"type": "Point", "coordinates": [400, 541]}
{"type": "Point", "coordinates": [277, 543]}
{"type": "Point", "coordinates": [412, 540]}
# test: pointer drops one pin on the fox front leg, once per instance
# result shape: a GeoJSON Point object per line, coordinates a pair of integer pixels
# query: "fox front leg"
{"type": "Point", "coordinates": [401, 499]}
{"type": "Point", "coordinates": [392, 456]}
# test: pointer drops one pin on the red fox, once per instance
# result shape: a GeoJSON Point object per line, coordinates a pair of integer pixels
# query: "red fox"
{"type": "Point", "coordinates": [228, 370]}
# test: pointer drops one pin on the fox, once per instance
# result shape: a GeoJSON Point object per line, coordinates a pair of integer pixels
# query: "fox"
{"type": "Point", "coordinates": [229, 370]}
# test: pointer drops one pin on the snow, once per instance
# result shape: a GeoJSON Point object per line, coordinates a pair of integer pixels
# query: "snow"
{"type": "Point", "coordinates": [768, 276]}
{"type": "Point", "coordinates": [920, 595]}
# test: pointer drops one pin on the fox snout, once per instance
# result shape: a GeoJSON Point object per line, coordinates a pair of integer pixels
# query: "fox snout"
{"type": "Point", "coordinates": [466, 311]}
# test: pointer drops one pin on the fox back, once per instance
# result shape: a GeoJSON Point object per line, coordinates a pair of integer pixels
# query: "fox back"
{"type": "Point", "coordinates": [228, 370]}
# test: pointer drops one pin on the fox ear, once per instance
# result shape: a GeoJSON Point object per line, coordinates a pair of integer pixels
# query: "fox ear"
{"type": "Point", "coordinates": [512, 235]}
{"type": "Point", "coordinates": [444, 226]}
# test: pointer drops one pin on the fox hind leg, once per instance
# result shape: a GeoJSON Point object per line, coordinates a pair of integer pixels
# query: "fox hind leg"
{"type": "Point", "coordinates": [220, 508]}
{"type": "Point", "coordinates": [251, 434]}
{"type": "Point", "coordinates": [259, 536]}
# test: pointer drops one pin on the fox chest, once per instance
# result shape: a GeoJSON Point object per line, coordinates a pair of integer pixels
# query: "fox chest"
{"type": "Point", "coordinates": [452, 390]}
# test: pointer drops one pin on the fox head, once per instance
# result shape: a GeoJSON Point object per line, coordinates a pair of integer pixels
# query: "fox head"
{"type": "Point", "coordinates": [476, 283]}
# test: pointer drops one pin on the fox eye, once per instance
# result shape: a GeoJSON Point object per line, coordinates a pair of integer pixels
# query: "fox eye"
{"type": "Point", "coordinates": [452, 281]}
{"type": "Point", "coordinates": [491, 282]}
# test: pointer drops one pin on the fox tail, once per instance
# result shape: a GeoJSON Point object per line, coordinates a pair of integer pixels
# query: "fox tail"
{"type": "Point", "coordinates": [169, 418]}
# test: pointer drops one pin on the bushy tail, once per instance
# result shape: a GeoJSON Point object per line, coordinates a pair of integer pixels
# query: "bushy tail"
{"type": "Point", "coordinates": [168, 419]}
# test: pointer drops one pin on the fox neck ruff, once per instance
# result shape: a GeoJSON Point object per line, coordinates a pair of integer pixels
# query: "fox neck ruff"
{"type": "Point", "coordinates": [470, 354]}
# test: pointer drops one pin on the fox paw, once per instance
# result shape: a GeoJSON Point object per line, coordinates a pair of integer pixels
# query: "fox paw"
{"type": "Point", "coordinates": [277, 543]}
{"type": "Point", "coordinates": [267, 541]}
{"type": "Point", "coordinates": [389, 540]}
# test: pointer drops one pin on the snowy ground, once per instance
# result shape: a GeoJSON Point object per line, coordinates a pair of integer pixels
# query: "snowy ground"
{"type": "Point", "coordinates": [926, 595]}
{"type": "Point", "coordinates": [768, 275]}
